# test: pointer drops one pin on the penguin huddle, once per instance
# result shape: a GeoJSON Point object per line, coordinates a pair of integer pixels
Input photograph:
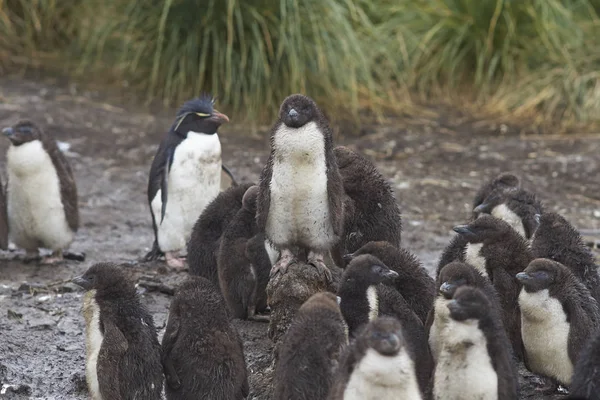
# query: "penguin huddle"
{"type": "Point", "coordinates": [516, 284]}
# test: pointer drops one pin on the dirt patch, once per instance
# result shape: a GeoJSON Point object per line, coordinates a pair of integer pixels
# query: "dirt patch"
{"type": "Point", "coordinates": [435, 165]}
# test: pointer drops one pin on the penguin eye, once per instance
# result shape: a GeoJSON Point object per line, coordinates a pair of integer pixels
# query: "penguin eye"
{"type": "Point", "coordinates": [377, 269]}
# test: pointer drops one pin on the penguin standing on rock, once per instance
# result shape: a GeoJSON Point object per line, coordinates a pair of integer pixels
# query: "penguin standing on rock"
{"type": "Point", "coordinates": [378, 365]}
{"type": "Point", "coordinates": [558, 240]}
{"type": "Point", "coordinates": [300, 201]}
{"type": "Point", "coordinates": [202, 353]}
{"type": "Point", "coordinates": [244, 271]}
{"type": "Point", "coordinates": [184, 177]}
{"type": "Point", "coordinates": [371, 212]}
{"type": "Point", "coordinates": [310, 349]}
{"type": "Point", "coordinates": [41, 193]}
{"type": "Point", "coordinates": [203, 247]}
{"type": "Point", "coordinates": [475, 361]}
{"type": "Point", "coordinates": [413, 281]}
{"type": "Point", "coordinates": [558, 315]}
{"type": "Point", "coordinates": [122, 350]}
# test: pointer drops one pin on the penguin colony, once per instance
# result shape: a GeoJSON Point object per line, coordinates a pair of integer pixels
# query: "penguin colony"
{"type": "Point", "coordinates": [515, 285]}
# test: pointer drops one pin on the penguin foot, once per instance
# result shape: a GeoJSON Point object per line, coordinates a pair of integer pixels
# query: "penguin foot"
{"type": "Point", "coordinates": [174, 261]}
{"type": "Point", "coordinates": [52, 259]}
{"type": "Point", "coordinates": [317, 261]}
{"type": "Point", "coordinates": [285, 260]}
{"type": "Point", "coordinates": [154, 254]}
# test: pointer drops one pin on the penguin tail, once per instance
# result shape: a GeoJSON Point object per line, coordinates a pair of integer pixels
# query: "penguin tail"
{"type": "Point", "coordinates": [154, 254]}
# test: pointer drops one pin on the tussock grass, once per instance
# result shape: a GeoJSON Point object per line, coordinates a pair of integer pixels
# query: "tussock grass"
{"type": "Point", "coordinates": [538, 59]}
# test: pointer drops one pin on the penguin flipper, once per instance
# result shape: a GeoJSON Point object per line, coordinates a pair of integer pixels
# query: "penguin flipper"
{"type": "Point", "coordinates": [114, 345]}
{"type": "Point", "coordinates": [229, 174]}
{"type": "Point", "coordinates": [164, 185]}
{"type": "Point", "coordinates": [168, 342]}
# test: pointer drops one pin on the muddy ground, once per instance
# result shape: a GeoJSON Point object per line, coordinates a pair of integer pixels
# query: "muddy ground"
{"type": "Point", "coordinates": [435, 164]}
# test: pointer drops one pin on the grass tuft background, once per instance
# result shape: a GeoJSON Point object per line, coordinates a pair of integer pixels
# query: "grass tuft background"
{"type": "Point", "coordinates": [534, 59]}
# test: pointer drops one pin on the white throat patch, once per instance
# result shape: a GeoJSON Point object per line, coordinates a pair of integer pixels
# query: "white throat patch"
{"type": "Point", "coordinates": [373, 301]}
{"type": "Point", "coordinates": [94, 339]}
{"type": "Point", "coordinates": [504, 213]}
{"type": "Point", "coordinates": [473, 257]}
{"type": "Point", "coordinates": [441, 317]}
{"type": "Point", "coordinates": [545, 332]}
{"type": "Point", "coordinates": [379, 377]}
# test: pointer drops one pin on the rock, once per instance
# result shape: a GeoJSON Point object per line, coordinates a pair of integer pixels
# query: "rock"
{"type": "Point", "coordinates": [41, 324]}
{"type": "Point", "coordinates": [286, 293]}
{"type": "Point", "coordinates": [31, 288]}
{"type": "Point", "coordinates": [21, 389]}
{"type": "Point", "coordinates": [66, 325]}
{"type": "Point", "coordinates": [68, 287]}
{"type": "Point", "coordinates": [13, 315]}
{"type": "Point", "coordinates": [5, 290]}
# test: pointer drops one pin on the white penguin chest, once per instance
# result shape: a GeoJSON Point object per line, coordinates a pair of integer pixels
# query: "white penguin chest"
{"type": "Point", "coordinates": [464, 369]}
{"type": "Point", "coordinates": [194, 181]}
{"type": "Point", "coordinates": [94, 339]}
{"type": "Point", "coordinates": [473, 257]}
{"type": "Point", "coordinates": [299, 205]}
{"type": "Point", "coordinates": [503, 212]}
{"type": "Point", "coordinates": [35, 211]}
{"type": "Point", "coordinates": [545, 332]}
{"type": "Point", "coordinates": [440, 320]}
{"type": "Point", "coordinates": [378, 377]}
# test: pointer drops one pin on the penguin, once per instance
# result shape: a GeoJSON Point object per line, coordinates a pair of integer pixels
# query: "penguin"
{"type": "Point", "coordinates": [520, 208]}
{"type": "Point", "coordinates": [453, 276]}
{"type": "Point", "coordinates": [185, 176]}
{"type": "Point", "coordinates": [378, 365]}
{"type": "Point", "coordinates": [364, 297]}
{"type": "Point", "coordinates": [3, 219]}
{"type": "Point", "coordinates": [205, 239]}
{"type": "Point", "coordinates": [503, 181]}
{"type": "Point", "coordinates": [586, 376]}
{"type": "Point", "coordinates": [558, 240]}
{"type": "Point", "coordinates": [300, 198]}
{"type": "Point", "coordinates": [309, 351]}
{"type": "Point", "coordinates": [413, 282]}
{"type": "Point", "coordinates": [498, 252]}
{"type": "Point", "coordinates": [202, 353]}
{"type": "Point", "coordinates": [558, 314]}
{"type": "Point", "coordinates": [41, 193]}
{"type": "Point", "coordinates": [371, 212]}
{"type": "Point", "coordinates": [123, 357]}
{"type": "Point", "coordinates": [243, 271]}
{"type": "Point", "coordinates": [475, 360]}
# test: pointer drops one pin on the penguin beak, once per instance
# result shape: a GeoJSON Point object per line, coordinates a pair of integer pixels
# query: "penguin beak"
{"type": "Point", "coordinates": [8, 132]}
{"type": "Point", "coordinates": [523, 277]}
{"type": "Point", "coordinates": [463, 230]}
{"type": "Point", "coordinates": [391, 274]}
{"type": "Point", "coordinates": [389, 346]}
{"type": "Point", "coordinates": [81, 281]}
{"type": "Point", "coordinates": [447, 289]}
{"type": "Point", "coordinates": [219, 117]}
{"type": "Point", "coordinates": [455, 309]}
{"type": "Point", "coordinates": [482, 208]}
{"type": "Point", "coordinates": [348, 257]}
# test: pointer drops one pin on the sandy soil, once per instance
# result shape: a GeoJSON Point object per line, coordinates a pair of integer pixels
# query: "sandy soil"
{"type": "Point", "coordinates": [435, 165]}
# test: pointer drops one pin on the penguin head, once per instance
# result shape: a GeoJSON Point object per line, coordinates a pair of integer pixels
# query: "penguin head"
{"type": "Point", "coordinates": [384, 335]}
{"type": "Point", "coordinates": [103, 277]}
{"type": "Point", "coordinates": [297, 110]}
{"type": "Point", "coordinates": [22, 132]}
{"type": "Point", "coordinates": [322, 300]}
{"type": "Point", "coordinates": [484, 229]}
{"type": "Point", "coordinates": [501, 182]}
{"type": "Point", "coordinates": [468, 303]}
{"type": "Point", "coordinates": [372, 247]}
{"type": "Point", "coordinates": [541, 274]}
{"type": "Point", "coordinates": [455, 275]}
{"type": "Point", "coordinates": [369, 270]}
{"type": "Point", "coordinates": [198, 115]}
{"type": "Point", "coordinates": [249, 198]}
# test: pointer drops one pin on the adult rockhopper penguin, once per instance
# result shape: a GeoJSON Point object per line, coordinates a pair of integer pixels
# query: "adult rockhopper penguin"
{"type": "Point", "coordinates": [185, 176]}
